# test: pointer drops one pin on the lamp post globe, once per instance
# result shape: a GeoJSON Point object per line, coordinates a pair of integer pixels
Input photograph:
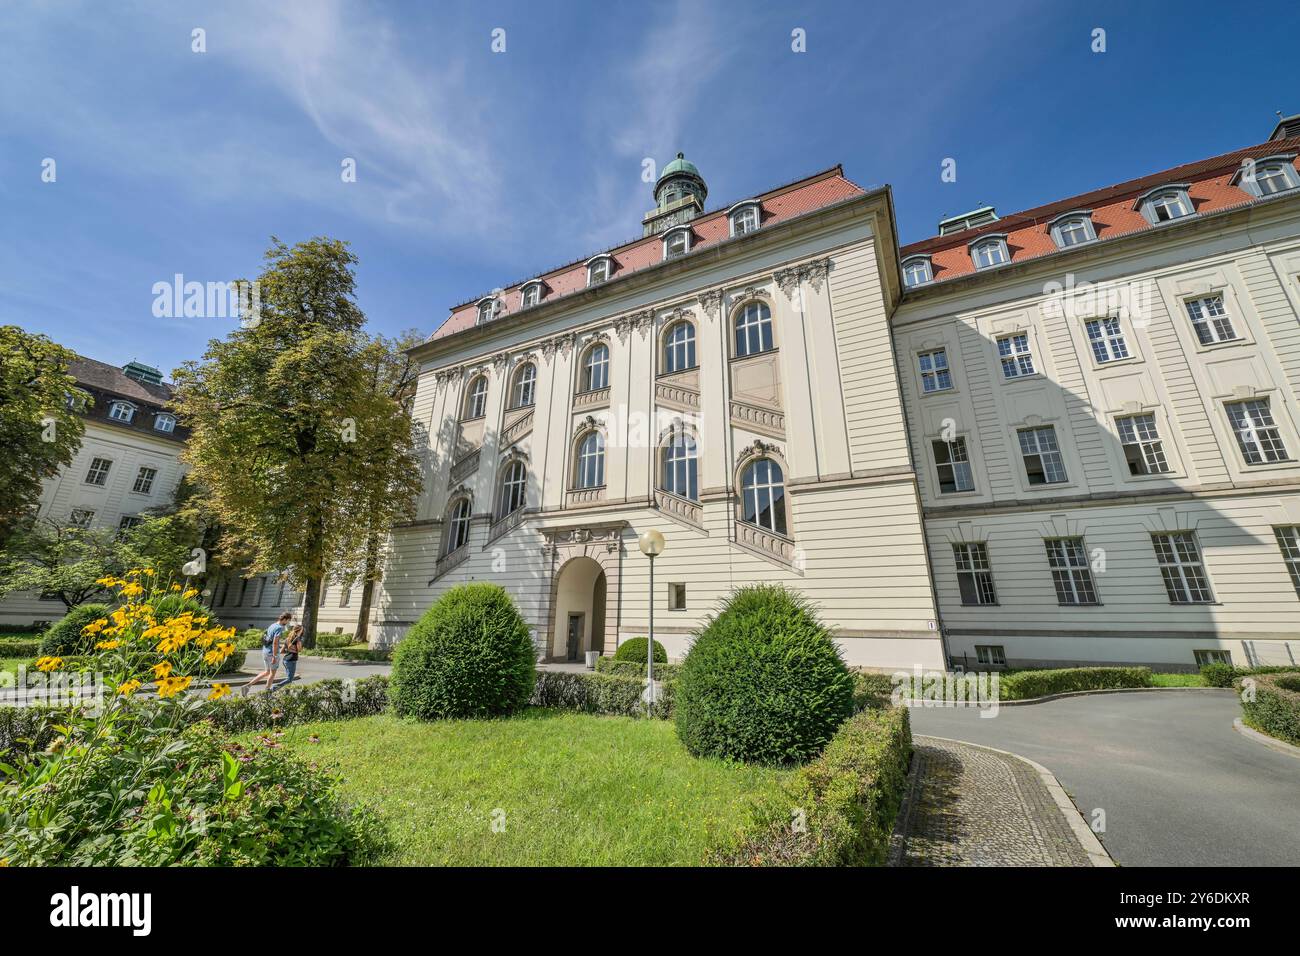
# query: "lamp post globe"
{"type": "Point", "coordinates": [652, 544]}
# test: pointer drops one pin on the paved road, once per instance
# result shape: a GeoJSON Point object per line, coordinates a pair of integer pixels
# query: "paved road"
{"type": "Point", "coordinates": [1178, 785]}
{"type": "Point", "coordinates": [311, 669]}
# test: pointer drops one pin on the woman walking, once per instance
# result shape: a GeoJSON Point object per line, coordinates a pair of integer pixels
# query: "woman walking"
{"type": "Point", "coordinates": [289, 656]}
{"type": "Point", "coordinates": [270, 652]}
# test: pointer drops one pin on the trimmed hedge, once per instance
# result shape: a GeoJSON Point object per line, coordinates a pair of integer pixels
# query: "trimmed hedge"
{"type": "Point", "coordinates": [16, 648]}
{"type": "Point", "coordinates": [763, 682]}
{"type": "Point", "coordinates": [333, 640]}
{"type": "Point", "coordinates": [1223, 675]}
{"type": "Point", "coordinates": [634, 649]}
{"type": "Point", "coordinates": [1276, 708]}
{"type": "Point", "coordinates": [610, 665]}
{"type": "Point", "coordinates": [470, 655]}
{"type": "Point", "coordinates": [611, 694]}
{"type": "Point", "coordinates": [376, 654]}
{"type": "Point", "coordinates": [63, 638]}
{"type": "Point", "coordinates": [871, 689]}
{"type": "Point", "coordinates": [1024, 685]}
{"type": "Point", "coordinates": [33, 727]}
{"type": "Point", "coordinates": [838, 810]}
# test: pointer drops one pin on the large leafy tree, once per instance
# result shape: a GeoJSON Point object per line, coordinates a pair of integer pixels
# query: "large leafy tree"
{"type": "Point", "coordinates": [39, 432]}
{"type": "Point", "coordinates": [287, 432]}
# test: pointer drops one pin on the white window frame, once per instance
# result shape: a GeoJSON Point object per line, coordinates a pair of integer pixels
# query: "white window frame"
{"type": "Point", "coordinates": [1186, 579]}
{"type": "Point", "coordinates": [82, 518]}
{"type": "Point", "coordinates": [587, 371]}
{"type": "Point", "coordinates": [770, 488]}
{"type": "Point", "coordinates": [1105, 335]}
{"type": "Point", "coordinates": [1153, 200]}
{"type": "Point", "coordinates": [1257, 432]}
{"type": "Point", "coordinates": [523, 387]}
{"type": "Point", "coordinates": [957, 461]}
{"type": "Point", "coordinates": [676, 596]}
{"type": "Point", "coordinates": [741, 213]}
{"type": "Point", "coordinates": [530, 294]}
{"type": "Point", "coordinates": [476, 398]}
{"type": "Point", "coordinates": [1141, 431]}
{"type": "Point", "coordinates": [926, 271]}
{"type": "Point", "coordinates": [991, 655]}
{"type": "Point", "coordinates": [121, 411]}
{"type": "Point", "coordinates": [487, 309]}
{"type": "Point", "coordinates": [604, 264]}
{"type": "Point", "coordinates": [748, 326]}
{"type": "Point", "coordinates": [671, 235]}
{"type": "Point", "coordinates": [1071, 223]}
{"type": "Point", "coordinates": [143, 484]}
{"type": "Point", "coordinates": [1067, 559]}
{"type": "Point", "coordinates": [97, 473]}
{"type": "Point", "coordinates": [1017, 359]}
{"type": "Point", "coordinates": [973, 565]}
{"type": "Point", "coordinates": [590, 462]}
{"type": "Point", "coordinates": [162, 419]}
{"type": "Point", "coordinates": [990, 242]}
{"type": "Point", "coordinates": [1199, 310]}
{"type": "Point", "coordinates": [936, 377]}
{"type": "Point", "coordinates": [679, 347]}
{"type": "Point", "coordinates": [513, 493]}
{"type": "Point", "coordinates": [1288, 542]}
{"type": "Point", "coordinates": [679, 470]}
{"type": "Point", "coordinates": [1268, 168]}
{"type": "Point", "coordinates": [1050, 459]}
{"type": "Point", "coordinates": [458, 524]}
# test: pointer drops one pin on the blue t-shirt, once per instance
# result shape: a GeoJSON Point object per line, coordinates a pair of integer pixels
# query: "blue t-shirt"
{"type": "Point", "coordinates": [272, 632]}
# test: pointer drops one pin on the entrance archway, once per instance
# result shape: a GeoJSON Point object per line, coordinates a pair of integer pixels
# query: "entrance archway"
{"type": "Point", "coordinates": [578, 625]}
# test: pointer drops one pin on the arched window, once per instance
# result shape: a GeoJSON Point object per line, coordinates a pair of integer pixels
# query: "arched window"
{"type": "Point", "coordinates": [744, 217]}
{"type": "Point", "coordinates": [476, 398]}
{"type": "Point", "coordinates": [679, 347]}
{"type": "Point", "coordinates": [591, 460]}
{"type": "Point", "coordinates": [753, 329]}
{"type": "Point", "coordinates": [524, 390]}
{"type": "Point", "coordinates": [1166, 203]}
{"type": "Point", "coordinates": [762, 488]}
{"type": "Point", "coordinates": [458, 525]}
{"type": "Point", "coordinates": [990, 252]}
{"type": "Point", "coordinates": [917, 271]}
{"type": "Point", "coordinates": [1072, 229]}
{"type": "Point", "coordinates": [122, 412]}
{"type": "Point", "coordinates": [599, 269]}
{"type": "Point", "coordinates": [680, 467]}
{"type": "Point", "coordinates": [530, 294]}
{"type": "Point", "coordinates": [164, 423]}
{"type": "Point", "coordinates": [595, 369]}
{"type": "Point", "coordinates": [487, 309]}
{"type": "Point", "coordinates": [677, 241]}
{"type": "Point", "coordinates": [514, 482]}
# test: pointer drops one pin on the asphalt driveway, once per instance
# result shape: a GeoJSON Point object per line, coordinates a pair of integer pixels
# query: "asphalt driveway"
{"type": "Point", "coordinates": [1178, 785]}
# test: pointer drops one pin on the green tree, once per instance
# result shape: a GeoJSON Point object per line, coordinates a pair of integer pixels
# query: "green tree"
{"type": "Point", "coordinates": [39, 432]}
{"type": "Point", "coordinates": [287, 433]}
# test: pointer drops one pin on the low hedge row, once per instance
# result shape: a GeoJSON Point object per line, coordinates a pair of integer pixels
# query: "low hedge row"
{"type": "Point", "coordinates": [376, 654]}
{"type": "Point", "coordinates": [612, 665]}
{"type": "Point", "coordinates": [33, 727]}
{"type": "Point", "coordinates": [22, 628]}
{"type": "Point", "coordinates": [871, 689]}
{"type": "Point", "coordinates": [1024, 685]}
{"type": "Point", "coordinates": [1223, 675]}
{"type": "Point", "coordinates": [1275, 709]}
{"type": "Point", "coordinates": [839, 809]}
{"type": "Point", "coordinates": [612, 694]}
{"type": "Point", "coordinates": [14, 647]}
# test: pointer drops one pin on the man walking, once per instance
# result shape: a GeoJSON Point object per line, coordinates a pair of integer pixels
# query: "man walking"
{"type": "Point", "coordinates": [270, 652]}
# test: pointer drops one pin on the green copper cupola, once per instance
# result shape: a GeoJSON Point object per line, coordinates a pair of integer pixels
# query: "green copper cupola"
{"type": "Point", "coordinates": [679, 193]}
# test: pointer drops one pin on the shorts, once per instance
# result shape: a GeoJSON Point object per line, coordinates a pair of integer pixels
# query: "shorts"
{"type": "Point", "coordinates": [269, 660]}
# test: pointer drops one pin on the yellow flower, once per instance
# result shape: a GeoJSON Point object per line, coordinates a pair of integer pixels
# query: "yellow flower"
{"type": "Point", "coordinates": [129, 688]}
{"type": "Point", "coordinates": [132, 590]}
{"type": "Point", "coordinates": [48, 664]}
{"type": "Point", "coordinates": [107, 645]}
{"type": "Point", "coordinates": [219, 691]}
{"type": "Point", "coordinates": [174, 587]}
{"type": "Point", "coordinates": [189, 593]}
{"type": "Point", "coordinates": [149, 571]}
{"type": "Point", "coordinates": [213, 657]}
{"type": "Point", "coordinates": [172, 686]}
{"type": "Point", "coordinates": [162, 669]}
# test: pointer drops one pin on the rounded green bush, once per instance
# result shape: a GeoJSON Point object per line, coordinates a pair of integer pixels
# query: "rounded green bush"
{"type": "Point", "coordinates": [634, 649]}
{"type": "Point", "coordinates": [63, 638]}
{"type": "Point", "coordinates": [763, 681]}
{"type": "Point", "coordinates": [470, 655]}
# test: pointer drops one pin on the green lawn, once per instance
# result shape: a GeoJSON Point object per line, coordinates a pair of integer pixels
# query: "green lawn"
{"type": "Point", "coordinates": [573, 789]}
{"type": "Point", "coordinates": [9, 665]}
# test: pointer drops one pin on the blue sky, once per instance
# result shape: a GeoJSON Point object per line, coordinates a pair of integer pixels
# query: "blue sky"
{"type": "Point", "coordinates": [475, 168]}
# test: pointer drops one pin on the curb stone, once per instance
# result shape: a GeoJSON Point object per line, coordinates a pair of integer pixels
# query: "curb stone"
{"type": "Point", "coordinates": [1088, 841]}
{"type": "Point", "coordinates": [1069, 693]}
{"type": "Point", "coordinates": [1250, 733]}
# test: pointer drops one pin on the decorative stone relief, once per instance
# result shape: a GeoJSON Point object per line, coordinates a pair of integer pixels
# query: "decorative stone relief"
{"type": "Point", "coordinates": [814, 273]}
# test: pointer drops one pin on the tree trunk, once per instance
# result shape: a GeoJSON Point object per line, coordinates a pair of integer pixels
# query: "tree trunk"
{"type": "Point", "coordinates": [363, 613]}
{"type": "Point", "coordinates": [310, 609]}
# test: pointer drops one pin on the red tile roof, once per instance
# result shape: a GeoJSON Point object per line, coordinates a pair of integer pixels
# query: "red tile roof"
{"type": "Point", "coordinates": [786, 202]}
{"type": "Point", "coordinates": [1113, 213]}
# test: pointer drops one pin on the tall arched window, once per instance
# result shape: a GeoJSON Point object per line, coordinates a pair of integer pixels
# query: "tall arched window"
{"type": "Point", "coordinates": [591, 460]}
{"type": "Point", "coordinates": [476, 398]}
{"type": "Point", "coordinates": [458, 525]}
{"type": "Point", "coordinates": [762, 488]}
{"type": "Point", "coordinates": [679, 347]}
{"type": "Point", "coordinates": [595, 369]}
{"type": "Point", "coordinates": [524, 390]}
{"type": "Point", "coordinates": [680, 474]}
{"type": "Point", "coordinates": [514, 483]}
{"type": "Point", "coordinates": [753, 329]}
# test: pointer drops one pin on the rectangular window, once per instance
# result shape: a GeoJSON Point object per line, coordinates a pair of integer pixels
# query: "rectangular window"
{"type": "Point", "coordinates": [974, 576]}
{"type": "Point", "coordinates": [128, 522]}
{"type": "Point", "coordinates": [1071, 572]}
{"type": "Point", "coordinates": [1107, 340]}
{"type": "Point", "coordinates": [1179, 557]}
{"type": "Point", "coordinates": [1017, 358]}
{"type": "Point", "coordinates": [81, 517]}
{"type": "Point", "coordinates": [1211, 320]}
{"type": "Point", "coordinates": [993, 655]}
{"type": "Point", "coordinates": [953, 466]}
{"type": "Point", "coordinates": [243, 592]}
{"type": "Point", "coordinates": [1141, 442]}
{"type": "Point", "coordinates": [1257, 433]}
{"type": "Point", "coordinates": [345, 597]}
{"type": "Point", "coordinates": [677, 597]}
{"type": "Point", "coordinates": [1288, 540]}
{"type": "Point", "coordinates": [1212, 656]}
{"type": "Point", "coordinates": [935, 375]}
{"type": "Point", "coordinates": [98, 474]}
{"type": "Point", "coordinates": [144, 481]}
{"type": "Point", "coordinates": [1042, 456]}
{"type": "Point", "coordinates": [279, 596]}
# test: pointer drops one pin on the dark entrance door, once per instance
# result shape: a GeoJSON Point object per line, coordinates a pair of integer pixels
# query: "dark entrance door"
{"type": "Point", "coordinates": [575, 636]}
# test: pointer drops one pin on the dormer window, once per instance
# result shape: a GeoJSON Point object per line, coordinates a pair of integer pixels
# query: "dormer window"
{"type": "Point", "coordinates": [989, 252]}
{"type": "Point", "coordinates": [76, 400]}
{"type": "Point", "coordinates": [164, 423]}
{"type": "Point", "coordinates": [487, 309]}
{"type": "Point", "coordinates": [1166, 204]}
{"type": "Point", "coordinates": [530, 295]}
{"type": "Point", "coordinates": [744, 217]}
{"type": "Point", "coordinates": [917, 271]}
{"type": "Point", "coordinates": [677, 242]}
{"type": "Point", "coordinates": [1072, 229]}
{"type": "Point", "coordinates": [1268, 177]}
{"type": "Point", "coordinates": [123, 412]}
{"type": "Point", "coordinates": [599, 269]}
